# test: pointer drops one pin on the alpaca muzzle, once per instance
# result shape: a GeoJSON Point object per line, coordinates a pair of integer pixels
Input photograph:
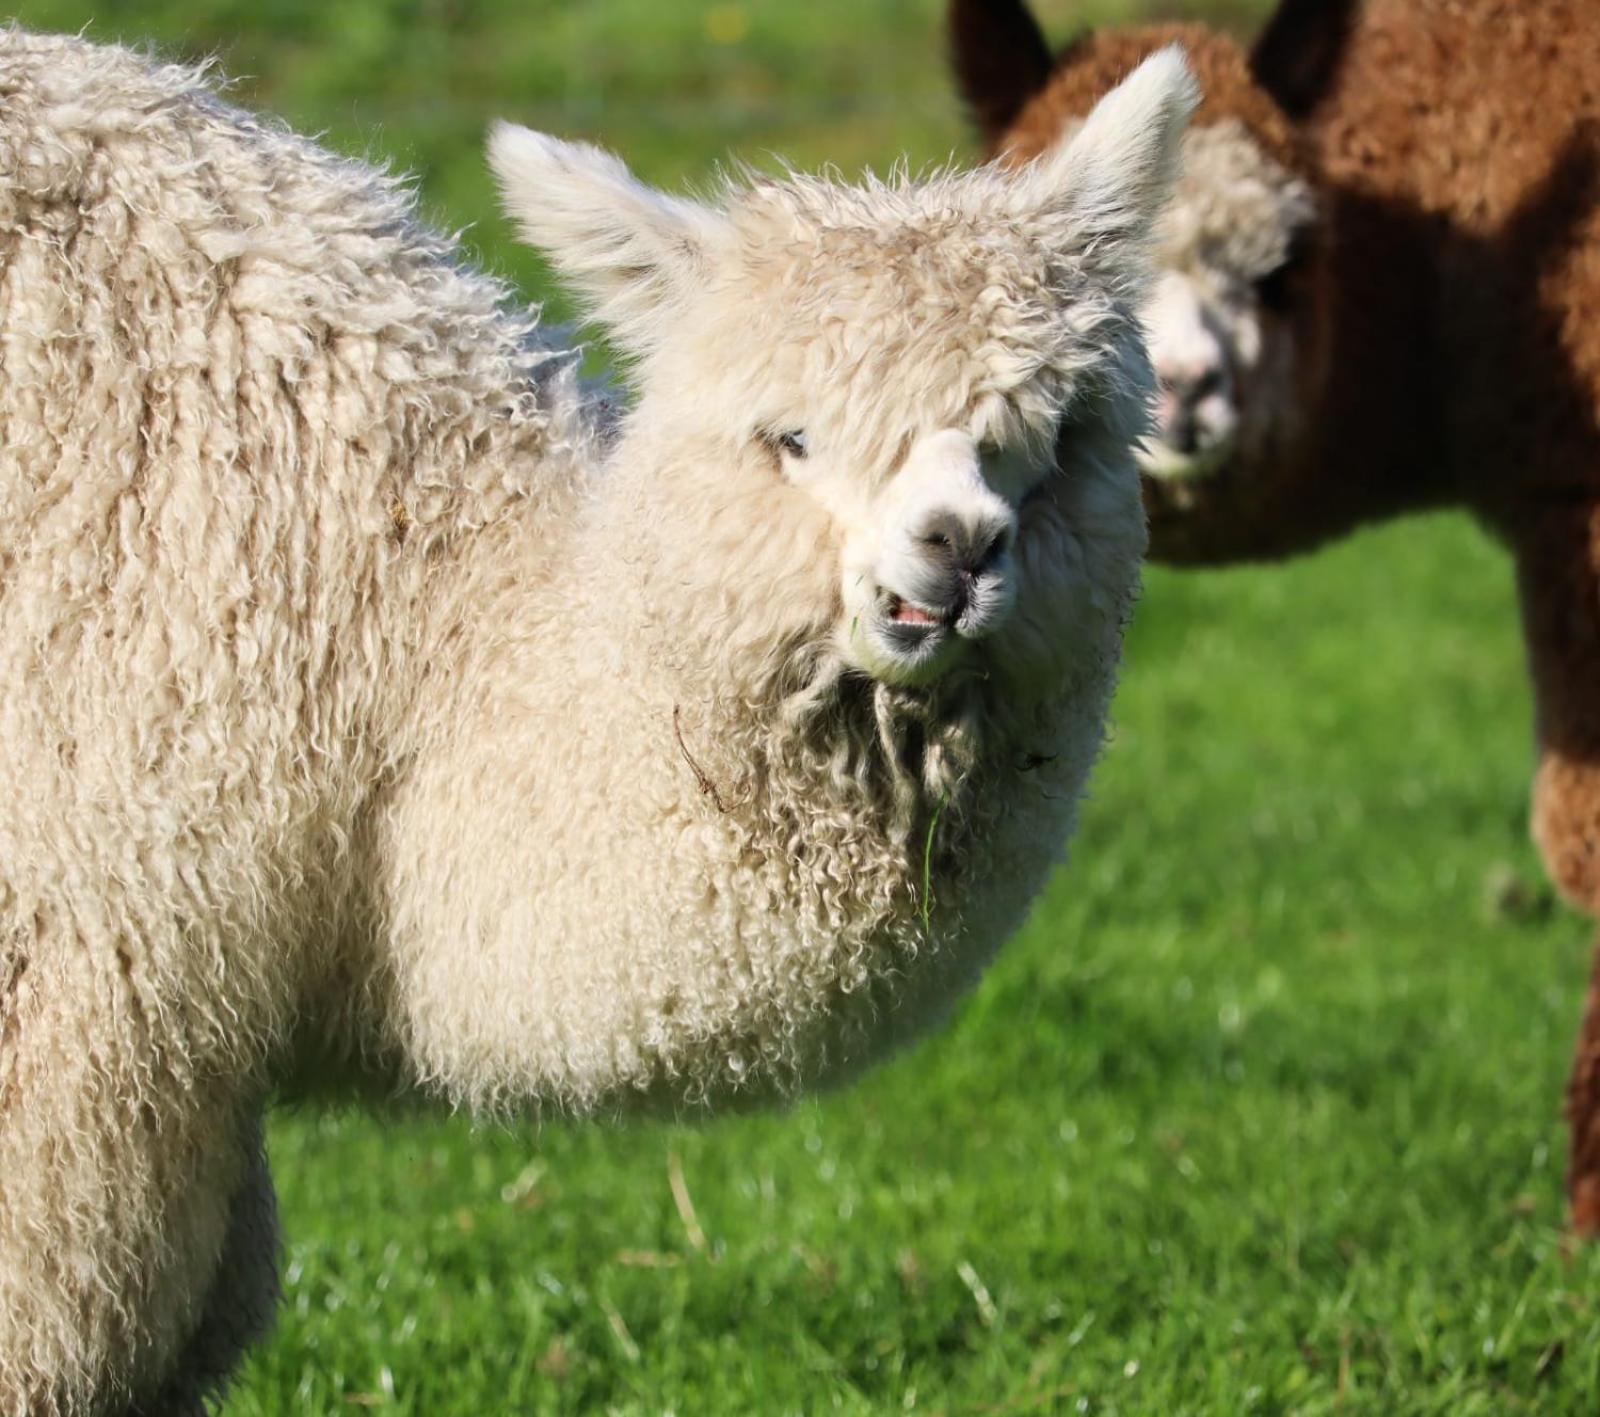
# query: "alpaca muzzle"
{"type": "Point", "coordinates": [936, 572]}
{"type": "Point", "coordinates": [1196, 412]}
{"type": "Point", "coordinates": [955, 574]}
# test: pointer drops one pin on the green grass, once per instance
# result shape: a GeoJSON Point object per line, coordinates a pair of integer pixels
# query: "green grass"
{"type": "Point", "coordinates": [1260, 1113]}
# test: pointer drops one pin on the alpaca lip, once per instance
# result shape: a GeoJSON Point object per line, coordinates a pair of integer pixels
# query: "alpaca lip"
{"type": "Point", "coordinates": [911, 631]}
{"type": "Point", "coordinates": [902, 612]}
{"type": "Point", "coordinates": [1160, 459]}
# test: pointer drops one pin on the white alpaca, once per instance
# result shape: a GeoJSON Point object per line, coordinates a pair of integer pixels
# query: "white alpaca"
{"type": "Point", "coordinates": [374, 712]}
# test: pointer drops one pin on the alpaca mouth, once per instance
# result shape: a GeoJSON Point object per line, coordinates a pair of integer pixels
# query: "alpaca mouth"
{"type": "Point", "coordinates": [970, 614]}
{"type": "Point", "coordinates": [1161, 460]}
{"type": "Point", "coordinates": [912, 641]}
{"type": "Point", "coordinates": [914, 637]}
{"type": "Point", "coordinates": [900, 611]}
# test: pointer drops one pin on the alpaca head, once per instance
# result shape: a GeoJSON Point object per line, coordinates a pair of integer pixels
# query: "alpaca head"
{"type": "Point", "coordinates": [1235, 323]}
{"type": "Point", "coordinates": [1233, 252]}
{"type": "Point", "coordinates": [852, 396]}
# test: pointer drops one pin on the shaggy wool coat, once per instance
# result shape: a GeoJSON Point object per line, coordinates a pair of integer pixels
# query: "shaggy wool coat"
{"type": "Point", "coordinates": [378, 709]}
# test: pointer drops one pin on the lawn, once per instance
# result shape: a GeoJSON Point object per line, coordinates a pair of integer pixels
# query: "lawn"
{"type": "Point", "coordinates": [1260, 1112]}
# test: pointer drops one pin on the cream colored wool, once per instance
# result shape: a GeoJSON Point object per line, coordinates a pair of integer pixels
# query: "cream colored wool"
{"type": "Point", "coordinates": [377, 709]}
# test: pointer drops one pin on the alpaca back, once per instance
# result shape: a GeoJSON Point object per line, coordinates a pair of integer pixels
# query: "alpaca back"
{"type": "Point", "coordinates": [252, 417]}
{"type": "Point", "coordinates": [249, 409]}
{"type": "Point", "coordinates": [1484, 120]}
{"type": "Point", "coordinates": [1462, 107]}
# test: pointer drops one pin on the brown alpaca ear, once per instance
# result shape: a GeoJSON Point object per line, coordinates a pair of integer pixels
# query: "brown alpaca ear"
{"type": "Point", "coordinates": [1000, 60]}
{"type": "Point", "coordinates": [1297, 55]}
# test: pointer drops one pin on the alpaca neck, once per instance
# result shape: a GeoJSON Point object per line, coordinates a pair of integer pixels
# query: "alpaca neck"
{"type": "Point", "coordinates": [1375, 448]}
{"type": "Point", "coordinates": [647, 830]}
{"type": "Point", "coordinates": [601, 853]}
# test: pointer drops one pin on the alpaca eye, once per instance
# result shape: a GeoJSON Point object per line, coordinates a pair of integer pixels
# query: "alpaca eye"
{"type": "Point", "coordinates": [1274, 289]}
{"type": "Point", "coordinates": [792, 444]}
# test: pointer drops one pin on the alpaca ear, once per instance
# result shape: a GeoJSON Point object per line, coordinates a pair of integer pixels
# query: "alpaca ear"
{"type": "Point", "coordinates": [1297, 55]}
{"type": "Point", "coordinates": [635, 254]}
{"type": "Point", "coordinates": [1111, 178]}
{"type": "Point", "coordinates": [1000, 59]}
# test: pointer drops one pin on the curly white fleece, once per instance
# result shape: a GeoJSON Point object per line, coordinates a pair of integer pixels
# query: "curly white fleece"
{"type": "Point", "coordinates": [371, 708]}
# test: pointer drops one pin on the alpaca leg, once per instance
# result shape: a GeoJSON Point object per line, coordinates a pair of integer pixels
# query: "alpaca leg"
{"type": "Point", "coordinates": [1558, 567]}
{"type": "Point", "coordinates": [120, 1152]}
{"type": "Point", "coordinates": [1558, 572]}
{"type": "Point", "coordinates": [241, 1301]}
{"type": "Point", "coordinates": [1583, 1114]}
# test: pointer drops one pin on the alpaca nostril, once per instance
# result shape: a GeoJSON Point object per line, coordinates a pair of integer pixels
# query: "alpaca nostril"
{"type": "Point", "coordinates": [1190, 386]}
{"type": "Point", "coordinates": [942, 532]}
{"type": "Point", "coordinates": [967, 545]}
{"type": "Point", "coordinates": [1182, 434]}
{"type": "Point", "coordinates": [995, 549]}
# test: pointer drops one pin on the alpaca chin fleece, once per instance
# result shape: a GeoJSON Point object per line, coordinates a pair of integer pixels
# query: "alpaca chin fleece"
{"type": "Point", "coordinates": [383, 708]}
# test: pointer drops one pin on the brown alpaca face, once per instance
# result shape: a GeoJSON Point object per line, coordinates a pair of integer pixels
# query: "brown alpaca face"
{"type": "Point", "coordinates": [1226, 326]}
{"type": "Point", "coordinates": [1231, 322]}
{"type": "Point", "coordinates": [1241, 322]}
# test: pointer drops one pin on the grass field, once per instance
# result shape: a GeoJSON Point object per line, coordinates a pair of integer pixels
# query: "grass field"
{"type": "Point", "coordinates": [1260, 1114]}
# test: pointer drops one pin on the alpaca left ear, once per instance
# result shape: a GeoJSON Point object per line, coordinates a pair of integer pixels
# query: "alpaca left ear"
{"type": "Point", "coordinates": [1001, 59]}
{"type": "Point", "coordinates": [635, 254]}
{"type": "Point", "coordinates": [1297, 56]}
{"type": "Point", "coordinates": [1112, 177]}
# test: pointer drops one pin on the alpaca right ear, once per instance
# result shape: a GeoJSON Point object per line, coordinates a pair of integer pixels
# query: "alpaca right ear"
{"type": "Point", "coordinates": [635, 254]}
{"type": "Point", "coordinates": [1000, 59]}
{"type": "Point", "coordinates": [1296, 57]}
{"type": "Point", "coordinates": [1112, 177]}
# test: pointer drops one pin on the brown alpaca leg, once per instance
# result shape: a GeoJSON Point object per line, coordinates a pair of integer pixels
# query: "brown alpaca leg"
{"type": "Point", "coordinates": [1557, 560]}
{"type": "Point", "coordinates": [1583, 1115]}
{"type": "Point", "coordinates": [1558, 576]}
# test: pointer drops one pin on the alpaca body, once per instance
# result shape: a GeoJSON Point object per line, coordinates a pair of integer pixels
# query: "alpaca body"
{"type": "Point", "coordinates": [1439, 335]}
{"type": "Point", "coordinates": [379, 708]}
{"type": "Point", "coordinates": [1466, 134]}
{"type": "Point", "coordinates": [248, 408]}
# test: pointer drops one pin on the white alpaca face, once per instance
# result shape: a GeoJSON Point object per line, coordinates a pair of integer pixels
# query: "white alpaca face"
{"type": "Point", "coordinates": [926, 554]}
{"type": "Point", "coordinates": [874, 377]}
{"type": "Point", "coordinates": [931, 569]}
{"type": "Point", "coordinates": [1217, 325]}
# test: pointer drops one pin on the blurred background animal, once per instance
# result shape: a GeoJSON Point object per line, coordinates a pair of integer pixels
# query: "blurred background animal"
{"type": "Point", "coordinates": [1380, 294]}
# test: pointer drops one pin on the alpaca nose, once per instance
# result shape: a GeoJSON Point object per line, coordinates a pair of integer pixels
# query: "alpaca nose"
{"type": "Point", "coordinates": [1192, 366]}
{"type": "Point", "coordinates": [971, 543]}
{"type": "Point", "coordinates": [961, 575]}
{"type": "Point", "coordinates": [945, 562]}
{"type": "Point", "coordinates": [1183, 391]}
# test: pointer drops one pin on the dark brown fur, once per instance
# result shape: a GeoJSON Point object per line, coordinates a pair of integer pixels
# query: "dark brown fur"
{"type": "Point", "coordinates": [1451, 315]}
{"type": "Point", "coordinates": [1000, 58]}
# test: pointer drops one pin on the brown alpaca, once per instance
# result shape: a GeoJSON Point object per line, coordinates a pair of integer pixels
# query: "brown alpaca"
{"type": "Point", "coordinates": [1429, 337]}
